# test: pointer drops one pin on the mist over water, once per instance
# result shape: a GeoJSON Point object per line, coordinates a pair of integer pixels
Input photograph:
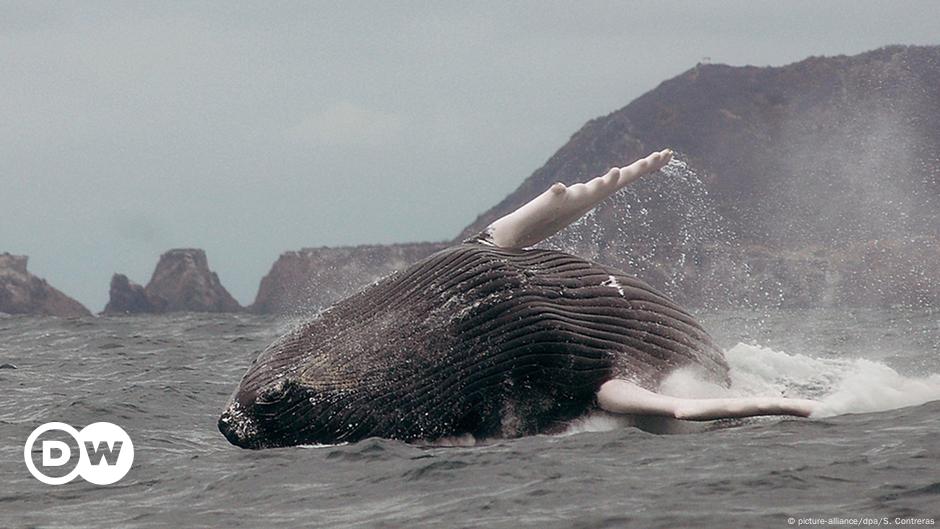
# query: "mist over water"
{"type": "Point", "coordinates": [873, 176]}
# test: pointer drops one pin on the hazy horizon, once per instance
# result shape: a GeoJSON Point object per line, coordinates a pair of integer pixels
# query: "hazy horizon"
{"type": "Point", "coordinates": [248, 131]}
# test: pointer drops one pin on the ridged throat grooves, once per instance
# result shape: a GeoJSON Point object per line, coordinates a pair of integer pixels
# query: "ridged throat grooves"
{"type": "Point", "coordinates": [471, 340]}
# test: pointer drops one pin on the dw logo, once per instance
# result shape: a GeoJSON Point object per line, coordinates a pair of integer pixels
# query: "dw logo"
{"type": "Point", "coordinates": [105, 453]}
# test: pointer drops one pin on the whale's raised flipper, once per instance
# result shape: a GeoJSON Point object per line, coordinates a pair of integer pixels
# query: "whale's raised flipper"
{"type": "Point", "coordinates": [559, 206]}
{"type": "Point", "coordinates": [620, 396]}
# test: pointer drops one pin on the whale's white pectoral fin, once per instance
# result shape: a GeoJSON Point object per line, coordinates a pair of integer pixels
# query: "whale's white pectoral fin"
{"type": "Point", "coordinates": [559, 206]}
{"type": "Point", "coordinates": [620, 396]}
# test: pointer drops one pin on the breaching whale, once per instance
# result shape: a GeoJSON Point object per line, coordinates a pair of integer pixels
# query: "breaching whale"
{"type": "Point", "coordinates": [488, 338]}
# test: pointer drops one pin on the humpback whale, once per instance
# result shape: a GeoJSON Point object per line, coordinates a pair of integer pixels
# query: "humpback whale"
{"type": "Point", "coordinates": [487, 338]}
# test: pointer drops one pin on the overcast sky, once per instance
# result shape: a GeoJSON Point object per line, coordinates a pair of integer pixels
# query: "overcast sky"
{"type": "Point", "coordinates": [249, 129]}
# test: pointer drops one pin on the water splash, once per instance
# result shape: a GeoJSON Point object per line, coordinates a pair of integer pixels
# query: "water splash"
{"type": "Point", "coordinates": [667, 230]}
{"type": "Point", "coordinates": [842, 385]}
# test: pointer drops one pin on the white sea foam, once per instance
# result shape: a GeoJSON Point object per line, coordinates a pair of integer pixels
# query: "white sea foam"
{"type": "Point", "coordinates": [843, 385]}
{"type": "Point", "coordinates": [598, 422]}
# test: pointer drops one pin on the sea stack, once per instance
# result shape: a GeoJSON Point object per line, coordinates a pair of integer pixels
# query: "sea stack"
{"type": "Point", "coordinates": [127, 297]}
{"type": "Point", "coordinates": [181, 282]}
{"type": "Point", "coordinates": [183, 279]}
{"type": "Point", "coordinates": [23, 293]}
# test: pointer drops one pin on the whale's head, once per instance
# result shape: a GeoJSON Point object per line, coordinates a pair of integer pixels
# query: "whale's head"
{"type": "Point", "coordinates": [268, 414]}
{"type": "Point", "coordinates": [271, 407]}
{"type": "Point", "coordinates": [238, 426]}
{"type": "Point", "coordinates": [287, 411]}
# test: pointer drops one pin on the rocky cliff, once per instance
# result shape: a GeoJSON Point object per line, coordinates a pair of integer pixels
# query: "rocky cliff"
{"type": "Point", "coordinates": [845, 147]}
{"type": "Point", "coordinates": [182, 281]}
{"type": "Point", "coordinates": [812, 183]}
{"type": "Point", "coordinates": [312, 278]}
{"type": "Point", "coordinates": [23, 293]}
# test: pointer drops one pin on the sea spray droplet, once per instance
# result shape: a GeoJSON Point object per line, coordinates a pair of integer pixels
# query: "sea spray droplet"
{"type": "Point", "coordinates": [664, 228]}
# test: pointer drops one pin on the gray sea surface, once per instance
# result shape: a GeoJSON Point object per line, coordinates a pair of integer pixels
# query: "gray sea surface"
{"type": "Point", "coordinates": [875, 454]}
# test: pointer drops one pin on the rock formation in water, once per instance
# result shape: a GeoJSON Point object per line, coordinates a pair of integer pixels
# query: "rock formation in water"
{"type": "Point", "coordinates": [23, 293]}
{"type": "Point", "coordinates": [127, 297]}
{"type": "Point", "coordinates": [182, 281]}
{"type": "Point", "coordinates": [822, 181]}
{"type": "Point", "coordinates": [313, 278]}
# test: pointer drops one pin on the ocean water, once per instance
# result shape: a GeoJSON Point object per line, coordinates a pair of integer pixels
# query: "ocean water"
{"type": "Point", "coordinates": [873, 453]}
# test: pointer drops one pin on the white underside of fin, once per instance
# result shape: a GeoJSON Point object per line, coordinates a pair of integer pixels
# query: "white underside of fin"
{"type": "Point", "coordinates": [622, 397]}
{"type": "Point", "coordinates": [559, 206]}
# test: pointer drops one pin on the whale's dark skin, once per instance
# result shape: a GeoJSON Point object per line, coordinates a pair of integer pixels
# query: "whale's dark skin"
{"type": "Point", "coordinates": [475, 339]}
